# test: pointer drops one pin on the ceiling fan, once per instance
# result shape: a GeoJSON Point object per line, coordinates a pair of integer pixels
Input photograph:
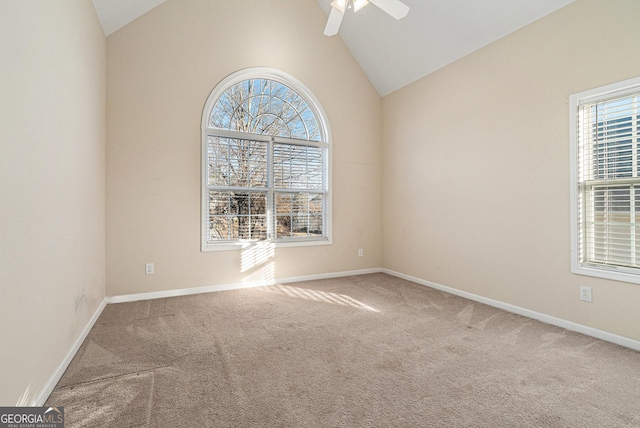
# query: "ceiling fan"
{"type": "Point", "coordinates": [395, 8]}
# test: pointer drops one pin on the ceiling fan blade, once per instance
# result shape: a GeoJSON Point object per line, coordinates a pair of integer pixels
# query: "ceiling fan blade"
{"type": "Point", "coordinates": [395, 8]}
{"type": "Point", "coordinates": [333, 23]}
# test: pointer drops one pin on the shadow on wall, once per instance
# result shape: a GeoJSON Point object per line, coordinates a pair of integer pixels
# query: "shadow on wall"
{"type": "Point", "coordinates": [256, 261]}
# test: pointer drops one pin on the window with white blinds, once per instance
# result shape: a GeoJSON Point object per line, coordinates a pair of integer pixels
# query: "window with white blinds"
{"type": "Point", "coordinates": [265, 163]}
{"type": "Point", "coordinates": [606, 181]}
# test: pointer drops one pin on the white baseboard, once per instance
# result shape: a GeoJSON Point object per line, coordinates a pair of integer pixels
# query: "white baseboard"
{"type": "Point", "coordinates": [327, 275]}
{"type": "Point", "coordinates": [224, 287]}
{"type": "Point", "coordinates": [548, 319]}
{"type": "Point", "coordinates": [55, 377]}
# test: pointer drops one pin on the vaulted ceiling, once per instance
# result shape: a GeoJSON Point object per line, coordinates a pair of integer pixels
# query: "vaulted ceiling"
{"type": "Point", "coordinates": [395, 53]}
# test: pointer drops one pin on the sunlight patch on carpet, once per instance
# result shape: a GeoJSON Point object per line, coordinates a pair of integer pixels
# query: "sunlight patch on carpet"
{"type": "Point", "coordinates": [321, 296]}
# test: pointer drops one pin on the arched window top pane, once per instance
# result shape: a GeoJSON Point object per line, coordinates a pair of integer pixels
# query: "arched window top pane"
{"type": "Point", "coordinates": [265, 106]}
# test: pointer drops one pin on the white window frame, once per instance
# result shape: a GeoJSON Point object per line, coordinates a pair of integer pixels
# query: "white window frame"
{"type": "Point", "coordinates": [321, 117]}
{"type": "Point", "coordinates": [608, 271]}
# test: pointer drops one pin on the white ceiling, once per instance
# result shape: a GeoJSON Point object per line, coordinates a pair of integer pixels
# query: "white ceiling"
{"type": "Point", "coordinates": [395, 53]}
{"type": "Point", "coordinates": [115, 14]}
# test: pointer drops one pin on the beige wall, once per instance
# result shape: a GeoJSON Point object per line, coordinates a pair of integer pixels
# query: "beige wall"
{"type": "Point", "coordinates": [476, 166]}
{"type": "Point", "coordinates": [161, 69]}
{"type": "Point", "coordinates": [52, 191]}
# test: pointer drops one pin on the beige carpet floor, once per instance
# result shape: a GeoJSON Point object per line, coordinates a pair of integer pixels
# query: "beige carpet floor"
{"type": "Point", "coordinates": [361, 351]}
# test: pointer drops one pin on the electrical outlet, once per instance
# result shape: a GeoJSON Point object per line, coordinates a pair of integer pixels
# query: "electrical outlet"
{"type": "Point", "coordinates": [360, 252]}
{"type": "Point", "coordinates": [148, 269]}
{"type": "Point", "coordinates": [585, 294]}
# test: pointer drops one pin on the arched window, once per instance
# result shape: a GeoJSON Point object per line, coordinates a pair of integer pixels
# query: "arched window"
{"type": "Point", "coordinates": [265, 155]}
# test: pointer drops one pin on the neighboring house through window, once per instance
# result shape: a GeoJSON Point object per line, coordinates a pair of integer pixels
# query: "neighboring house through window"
{"type": "Point", "coordinates": [605, 148]}
{"type": "Point", "coordinates": [265, 155]}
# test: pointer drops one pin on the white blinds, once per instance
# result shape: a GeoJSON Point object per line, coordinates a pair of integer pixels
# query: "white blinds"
{"type": "Point", "coordinates": [264, 189]}
{"type": "Point", "coordinates": [609, 181]}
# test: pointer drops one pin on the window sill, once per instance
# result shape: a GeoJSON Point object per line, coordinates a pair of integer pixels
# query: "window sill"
{"type": "Point", "coordinates": [238, 246]}
{"type": "Point", "coordinates": [608, 272]}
